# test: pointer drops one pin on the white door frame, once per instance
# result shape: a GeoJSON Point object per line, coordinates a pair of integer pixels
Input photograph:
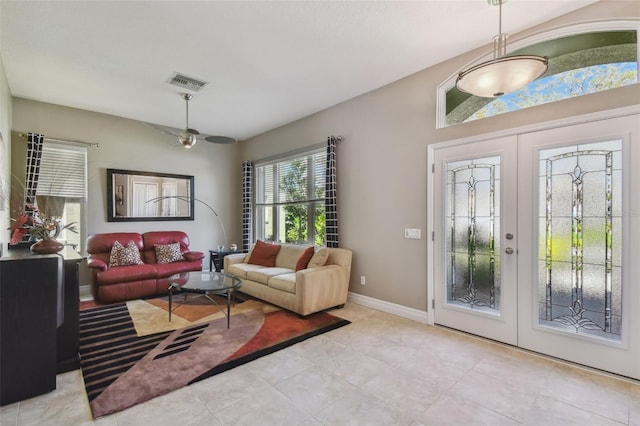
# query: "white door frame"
{"type": "Point", "coordinates": [586, 118]}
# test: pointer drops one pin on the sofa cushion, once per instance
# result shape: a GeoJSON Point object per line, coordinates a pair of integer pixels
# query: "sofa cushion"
{"type": "Point", "coordinates": [168, 253]}
{"type": "Point", "coordinates": [319, 259]}
{"type": "Point", "coordinates": [304, 258]}
{"type": "Point", "coordinates": [264, 254]}
{"type": "Point", "coordinates": [285, 282]}
{"type": "Point", "coordinates": [264, 274]}
{"type": "Point", "coordinates": [240, 270]}
{"type": "Point", "coordinates": [124, 256]}
{"type": "Point", "coordinates": [193, 256]}
{"type": "Point", "coordinates": [164, 270]}
{"type": "Point", "coordinates": [124, 274]}
{"type": "Point", "coordinates": [151, 239]}
{"type": "Point", "coordinates": [289, 254]}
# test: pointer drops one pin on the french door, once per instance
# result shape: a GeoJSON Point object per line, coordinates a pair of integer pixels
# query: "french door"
{"type": "Point", "coordinates": [476, 280]}
{"type": "Point", "coordinates": [534, 241]}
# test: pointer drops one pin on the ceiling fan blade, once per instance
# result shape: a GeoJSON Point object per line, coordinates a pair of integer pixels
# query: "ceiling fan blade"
{"type": "Point", "coordinates": [220, 139]}
{"type": "Point", "coordinates": [170, 131]}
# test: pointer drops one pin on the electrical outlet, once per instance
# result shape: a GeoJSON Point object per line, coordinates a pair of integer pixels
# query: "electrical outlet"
{"type": "Point", "coordinates": [363, 281]}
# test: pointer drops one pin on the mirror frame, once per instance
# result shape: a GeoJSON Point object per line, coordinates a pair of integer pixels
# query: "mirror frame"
{"type": "Point", "coordinates": [111, 216]}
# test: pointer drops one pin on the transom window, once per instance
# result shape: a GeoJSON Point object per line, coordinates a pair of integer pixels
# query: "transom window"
{"type": "Point", "coordinates": [290, 198]}
{"type": "Point", "coordinates": [578, 65]}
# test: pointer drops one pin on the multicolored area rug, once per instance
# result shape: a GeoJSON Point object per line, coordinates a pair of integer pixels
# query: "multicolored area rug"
{"type": "Point", "coordinates": [130, 352]}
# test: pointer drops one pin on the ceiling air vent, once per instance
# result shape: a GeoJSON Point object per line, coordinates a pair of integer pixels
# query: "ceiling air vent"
{"type": "Point", "coordinates": [187, 82]}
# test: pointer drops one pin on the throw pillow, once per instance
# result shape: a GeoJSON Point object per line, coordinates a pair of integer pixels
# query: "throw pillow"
{"type": "Point", "coordinates": [124, 256]}
{"type": "Point", "coordinates": [168, 253]}
{"type": "Point", "coordinates": [304, 259]}
{"type": "Point", "coordinates": [319, 259]}
{"type": "Point", "coordinates": [264, 254]}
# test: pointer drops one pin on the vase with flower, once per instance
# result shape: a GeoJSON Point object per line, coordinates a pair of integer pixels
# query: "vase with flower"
{"type": "Point", "coordinates": [43, 224]}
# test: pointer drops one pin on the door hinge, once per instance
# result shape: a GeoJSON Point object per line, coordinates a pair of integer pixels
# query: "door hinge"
{"type": "Point", "coordinates": [433, 236]}
{"type": "Point", "coordinates": [433, 168]}
{"type": "Point", "coordinates": [433, 303]}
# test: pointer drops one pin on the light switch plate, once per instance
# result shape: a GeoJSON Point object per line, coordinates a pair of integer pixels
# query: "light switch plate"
{"type": "Point", "coordinates": [412, 233]}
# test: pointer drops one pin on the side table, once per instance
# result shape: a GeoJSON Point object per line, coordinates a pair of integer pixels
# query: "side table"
{"type": "Point", "coordinates": [216, 258]}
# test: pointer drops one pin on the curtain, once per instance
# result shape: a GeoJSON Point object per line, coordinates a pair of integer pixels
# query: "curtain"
{"type": "Point", "coordinates": [247, 204]}
{"type": "Point", "coordinates": [331, 202]}
{"type": "Point", "coordinates": [35, 143]}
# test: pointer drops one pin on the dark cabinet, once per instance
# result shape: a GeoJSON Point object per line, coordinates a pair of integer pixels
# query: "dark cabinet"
{"type": "Point", "coordinates": [30, 312]}
{"type": "Point", "coordinates": [39, 303]}
{"type": "Point", "coordinates": [68, 344]}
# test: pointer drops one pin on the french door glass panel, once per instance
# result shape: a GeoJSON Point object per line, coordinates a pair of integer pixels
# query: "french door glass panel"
{"type": "Point", "coordinates": [579, 234]}
{"type": "Point", "coordinates": [472, 220]}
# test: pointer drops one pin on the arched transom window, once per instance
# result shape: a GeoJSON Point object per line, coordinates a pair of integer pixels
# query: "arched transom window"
{"type": "Point", "coordinates": [579, 64]}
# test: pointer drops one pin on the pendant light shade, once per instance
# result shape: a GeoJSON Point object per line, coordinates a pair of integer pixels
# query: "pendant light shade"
{"type": "Point", "coordinates": [503, 74]}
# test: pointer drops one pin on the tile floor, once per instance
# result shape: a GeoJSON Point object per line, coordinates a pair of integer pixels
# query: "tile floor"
{"type": "Point", "coordinates": [379, 370]}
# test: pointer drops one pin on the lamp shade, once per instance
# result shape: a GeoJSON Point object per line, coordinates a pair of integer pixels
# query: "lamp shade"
{"type": "Point", "coordinates": [502, 75]}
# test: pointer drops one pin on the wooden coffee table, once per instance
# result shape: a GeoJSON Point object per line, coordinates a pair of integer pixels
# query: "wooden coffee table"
{"type": "Point", "coordinates": [205, 283]}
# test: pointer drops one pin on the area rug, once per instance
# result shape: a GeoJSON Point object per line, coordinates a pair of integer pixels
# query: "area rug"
{"type": "Point", "coordinates": [130, 352]}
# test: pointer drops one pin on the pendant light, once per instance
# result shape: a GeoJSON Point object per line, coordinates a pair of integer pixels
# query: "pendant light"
{"type": "Point", "coordinates": [503, 74]}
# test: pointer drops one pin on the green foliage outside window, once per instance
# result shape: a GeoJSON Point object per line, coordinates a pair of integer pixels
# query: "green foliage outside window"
{"type": "Point", "coordinates": [294, 184]}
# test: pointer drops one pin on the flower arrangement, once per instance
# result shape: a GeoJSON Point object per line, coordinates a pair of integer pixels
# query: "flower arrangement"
{"type": "Point", "coordinates": [40, 224]}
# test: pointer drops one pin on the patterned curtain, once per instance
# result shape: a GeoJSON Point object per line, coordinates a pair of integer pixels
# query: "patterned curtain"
{"type": "Point", "coordinates": [35, 143]}
{"type": "Point", "coordinates": [331, 202]}
{"type": "Point", "coordinates": [247, 204]}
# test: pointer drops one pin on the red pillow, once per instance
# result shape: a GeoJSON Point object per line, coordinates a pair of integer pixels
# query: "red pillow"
{"type": "Point", "coordinates": [264, 254]}
{"type": "Point", "coordinates": [304, 258]}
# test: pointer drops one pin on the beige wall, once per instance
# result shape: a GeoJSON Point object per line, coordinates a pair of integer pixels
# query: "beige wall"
{"type": "Point", "coordinates": [382, 161]}
{"type": "Point", "coordinates": [5, 154]}
{"type": "Point", "coordinates": [132, 145]}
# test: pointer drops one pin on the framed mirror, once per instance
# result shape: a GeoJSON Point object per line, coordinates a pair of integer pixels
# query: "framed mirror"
{"type": "Point", "coordinates": [134, 196]}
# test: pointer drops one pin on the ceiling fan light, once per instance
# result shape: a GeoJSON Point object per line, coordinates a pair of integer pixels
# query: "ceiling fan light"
{"type": "Point", "coordinates": [187, 140]}
{"type": "Point", "coordinates": [503, 75]}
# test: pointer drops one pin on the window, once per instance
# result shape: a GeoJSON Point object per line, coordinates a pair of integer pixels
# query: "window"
{"type": "Point", "coordinates": [579, 64]}
{"type": "Point", "coordinates": [62, 185]}
{"type": "Point", "coordinates": [290, 194]}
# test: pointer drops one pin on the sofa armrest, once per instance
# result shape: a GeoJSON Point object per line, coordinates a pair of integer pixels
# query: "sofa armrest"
{"type": "Point", "coordinates": [322, 287]}
{"type": "Point", "coordinates": [193, 256]}
{"type": "Point", "coordinates": [232, 259]}
{"type": "Point", "coordinates": [97, 264]}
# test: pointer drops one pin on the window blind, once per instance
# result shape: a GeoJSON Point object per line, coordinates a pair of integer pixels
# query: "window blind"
{"type": "Point", "coordinates": [292, 180]}
{"type": "Point", "coordinates": [63, 171]}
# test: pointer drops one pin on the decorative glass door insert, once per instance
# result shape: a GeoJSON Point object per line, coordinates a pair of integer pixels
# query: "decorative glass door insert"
{"type": "Point", "coordinates": [580, 231]}
{"type": "Point", "coordinates": [472, 250]}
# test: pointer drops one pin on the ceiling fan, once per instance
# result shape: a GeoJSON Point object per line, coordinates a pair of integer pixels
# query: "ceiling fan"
{"type": "Point", "coordinates": [188, 137]}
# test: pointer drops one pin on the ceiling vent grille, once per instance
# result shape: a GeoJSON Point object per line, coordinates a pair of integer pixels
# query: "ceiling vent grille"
{"type": "Point", "coordinates": [187, 82]}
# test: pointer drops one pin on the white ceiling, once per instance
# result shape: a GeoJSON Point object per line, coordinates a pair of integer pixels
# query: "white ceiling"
{"type": "Point", "coordinates": [268, 62]}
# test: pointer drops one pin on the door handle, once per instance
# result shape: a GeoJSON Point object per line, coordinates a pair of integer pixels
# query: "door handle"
{"type": "Point", "coordinates": [508, 250]}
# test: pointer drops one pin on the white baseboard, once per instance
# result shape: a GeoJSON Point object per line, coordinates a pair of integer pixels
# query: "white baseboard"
{"type": "Point", "coordinates": [388, 307]}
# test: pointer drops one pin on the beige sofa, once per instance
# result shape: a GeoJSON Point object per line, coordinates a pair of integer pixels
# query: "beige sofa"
{"type": "Point", "coordinates": [305, 291]}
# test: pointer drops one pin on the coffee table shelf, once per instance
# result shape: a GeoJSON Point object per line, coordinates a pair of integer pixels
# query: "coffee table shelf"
{"type": "Point", "coordinates": [205, 283]}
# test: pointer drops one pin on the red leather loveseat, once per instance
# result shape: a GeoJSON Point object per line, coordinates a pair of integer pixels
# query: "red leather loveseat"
{"type": "Point", "coordinates": [142, 276]}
